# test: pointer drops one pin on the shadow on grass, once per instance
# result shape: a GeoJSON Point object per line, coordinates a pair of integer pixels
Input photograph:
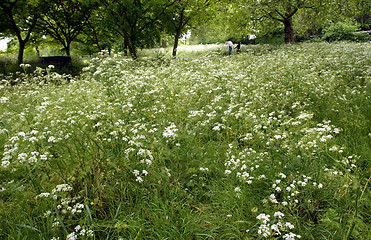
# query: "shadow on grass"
{"type": "Point", "coordinates": [62, 65]}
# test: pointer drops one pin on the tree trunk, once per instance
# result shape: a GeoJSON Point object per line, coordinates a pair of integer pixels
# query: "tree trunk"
{"type": "Point", "coordinates": [132, 48]}
{"type": "Point", "coordinates": [133, 52]}
{"type": "Point", "coordinates": [22, 45]}
{"type": "Point", "coordinates": [126, 46]}
{"type": "Point", "coordinates": [289, 31]}
{"type": "Point", "coordinates": [176, 40]}
{"type": "Point", "coordinates": [178, 32]}
{"type": "Point", "coordinates": [68, 49]}
{"type": "Point", "coordinates": [95, 37]}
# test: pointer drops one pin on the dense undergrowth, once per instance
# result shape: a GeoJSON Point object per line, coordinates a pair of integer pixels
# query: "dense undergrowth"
{"type": "Point", "coordinates": [273, 143]}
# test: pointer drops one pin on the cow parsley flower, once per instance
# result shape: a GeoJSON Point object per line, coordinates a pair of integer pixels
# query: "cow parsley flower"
{"type": "Point", "coordinates": [263, 217]}
{"type": "Point", "coordinates": [139, 179]}
{"type": "Point", "coordinates": [170, 131]}
{"type": "Point", "coordinates": [279, 214]}
{"type": "Point", "coordinates": [291, 236]}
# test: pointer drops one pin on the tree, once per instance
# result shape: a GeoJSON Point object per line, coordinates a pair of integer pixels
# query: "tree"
{"type": "Point", "coordinates": [358, 10]}
{"type": "Point", "coordinates": [183, 15]}
{"type": "Point", "coordinates": [362, 10]}
{"type": "Point", "coordinates": [96, 31]}
{"type": "Point", "coordinates": [136, 21]}
{"type": "Point", "coordinates": [281, 11]}
{"type": "Point", "coordinates": [178, 23]}
{"type": "Point", "coordinates": [64, 20]}
{"type": "Point", "coordinates": [20, 19]}
{"type": "Point", "coordinates": [313, 21]}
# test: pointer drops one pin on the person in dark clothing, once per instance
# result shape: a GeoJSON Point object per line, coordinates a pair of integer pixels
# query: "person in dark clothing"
{"type": "Point", "coordinates": [238, 47]}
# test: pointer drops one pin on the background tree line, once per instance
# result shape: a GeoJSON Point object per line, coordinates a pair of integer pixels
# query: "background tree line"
{"type": "Point", "coordinates": [97, 24]}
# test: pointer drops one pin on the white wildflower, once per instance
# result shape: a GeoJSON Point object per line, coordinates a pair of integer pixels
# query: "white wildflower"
{"type": "Point", "coordinates": [263, 217]}
{"type": "Point", "coordinates": [291, 236]}
{"type": "Point", "coordinates": [289, 225]}
{"type": "Point", "coordinates": [139, 179]}
{"type": "Point", "coordinates": [136, 172]}
{"type": "Point", "coordinates": [279, 214]}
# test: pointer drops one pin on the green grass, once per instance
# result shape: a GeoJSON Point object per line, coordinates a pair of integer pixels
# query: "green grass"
{"type": "Point", "coordinates": [271, 142]}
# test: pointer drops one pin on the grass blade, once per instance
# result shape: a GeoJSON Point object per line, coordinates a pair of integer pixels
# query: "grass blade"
{"type": "Point", "coordinates": [114, 218]}
{"type": "Point", "coordinates": [60, 219]}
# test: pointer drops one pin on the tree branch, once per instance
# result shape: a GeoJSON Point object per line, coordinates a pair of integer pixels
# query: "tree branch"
{"type": "Point", "coordinates": [158, 16]}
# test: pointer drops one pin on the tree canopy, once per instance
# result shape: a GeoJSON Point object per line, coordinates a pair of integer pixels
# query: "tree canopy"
{"type": "Point", "coordinates": [143, 23]}
{"type": "Point", "coordinates": [64, 20]}
{"type": "Point", "coordinates": [19, 19]}
{"type": "Point", "coordinates": [136, 21]}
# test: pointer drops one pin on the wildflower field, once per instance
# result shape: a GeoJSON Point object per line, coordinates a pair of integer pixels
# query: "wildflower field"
{"type": "Point", "coordinates": [273, 143]}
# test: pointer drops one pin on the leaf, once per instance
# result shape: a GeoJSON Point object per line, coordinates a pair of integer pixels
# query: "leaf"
{"type": "Point", "coordinates": [32, 228]}
{"type": "Point", "coordinates": [28, 226]}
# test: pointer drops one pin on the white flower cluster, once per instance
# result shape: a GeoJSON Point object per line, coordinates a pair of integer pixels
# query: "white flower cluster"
{"type": "Point", "coordinates": [218, 127]}
{"type": "Point", "coordinates": [4, 99]}
{"type": "Point", "coordinates": [67, 207]}
{"type": "Point", "coordinates": [12, 149]}
{"type": "Point", "coordinates": [79, 231]}
{"type": "Point", "coordinates": [23, 65]}
{"type": "Point", "coordinates": [245, 165]}
{"type": "Point", "coordinates": [267, 228]}
{"type": "Point", "coordinates": [147, 156]}
{"type": "Point", "coordinates": [139, 175]}
{"type": "Point", "coordinates": [170, 131]}
{"type": "Point", "coordinates": [289, 190]}
{"type": "Point", "coordinates": [61, 188]}
{"type": "Point", "coordinates": [317, 137]}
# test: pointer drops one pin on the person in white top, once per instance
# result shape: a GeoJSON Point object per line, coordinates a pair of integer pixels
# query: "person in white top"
{"type": "Point", "coordinates": [230, 46]}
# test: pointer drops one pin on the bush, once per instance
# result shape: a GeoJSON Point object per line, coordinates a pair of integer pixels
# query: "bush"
{"type": "Point", "coordinates": [339, 31]}
{"type": "Point", "coordinates": [361, 37]}
{"type": "Point", "coordinates": [275, 37]}
{"type": "Point", "coordinates": [6, 64]}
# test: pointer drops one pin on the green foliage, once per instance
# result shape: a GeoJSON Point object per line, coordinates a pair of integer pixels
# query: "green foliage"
{"type": "Point", "coordinates": [270, 143]}
{"type": "Point", "coordinates": [20, 19]}
{"type": "Point", "coordinates": [275, 37]}
{"type": "Point", "coordinates": [5, 64]}
{"type": "Point", "coordinates": [339, 31]}
{"type": "Point", "coordinates": [361, 37]}
{"type": "Point", "coordinates": [209, 34]}
{"type": "Point", "coordinates": [65, 20]}
{"type": "Point", "coordinates": [183, 16]}
{"type": "Point", "coordinates": [136, 22]}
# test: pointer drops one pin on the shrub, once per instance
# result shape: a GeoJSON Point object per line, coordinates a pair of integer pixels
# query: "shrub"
{"type": "Point", "coordinates": [6, 64]}
{"type": "Point", "coordinates": [339, 31]}
{"type": "Point", "coordinates": [275, 37]}
{"type": "Point", "coordinates": [361, 37]}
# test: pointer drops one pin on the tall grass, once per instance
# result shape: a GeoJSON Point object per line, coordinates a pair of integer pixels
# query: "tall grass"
{"type": "Point", "coordinates": [273, 143]}
{"type": "Point", "coordinates": [186, 51]}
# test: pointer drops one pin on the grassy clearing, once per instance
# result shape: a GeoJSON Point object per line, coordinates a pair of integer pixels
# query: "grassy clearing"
{"type": "Point", "coordinates": [273, 143]}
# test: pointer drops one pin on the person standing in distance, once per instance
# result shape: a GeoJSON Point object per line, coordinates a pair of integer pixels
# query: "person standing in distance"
{"type": "Point", "coordinates": [230, 46]}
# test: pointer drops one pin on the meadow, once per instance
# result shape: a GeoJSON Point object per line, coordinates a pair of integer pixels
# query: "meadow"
{"type": "Point", "coordinates": [273, 143]}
